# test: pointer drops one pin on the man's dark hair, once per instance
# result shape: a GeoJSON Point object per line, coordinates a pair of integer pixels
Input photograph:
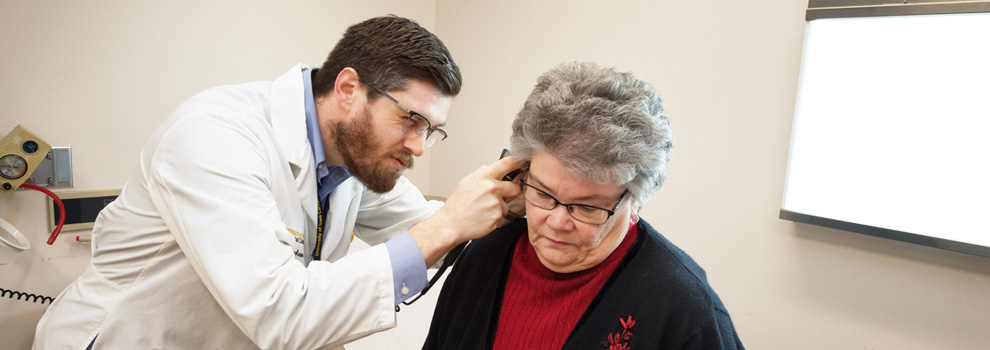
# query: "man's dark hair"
{"type": "Point", "coordinates": [387, 52]}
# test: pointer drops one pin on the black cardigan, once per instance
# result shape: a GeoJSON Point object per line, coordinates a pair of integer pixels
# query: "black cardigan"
{"type": "Point", "coordinates": [656, 286]}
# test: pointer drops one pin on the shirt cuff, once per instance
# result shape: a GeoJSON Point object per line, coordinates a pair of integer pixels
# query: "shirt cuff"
{"type": "Point", "coordinates": [408, 266]}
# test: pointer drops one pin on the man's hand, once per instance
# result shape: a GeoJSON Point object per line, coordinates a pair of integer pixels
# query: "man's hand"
{"type": "Point", "coordinates": [516, 204]}
{"type": "Point", "coordinates": [474, 209]}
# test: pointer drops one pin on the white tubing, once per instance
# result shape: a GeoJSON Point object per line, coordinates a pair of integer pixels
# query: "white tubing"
{"type": "Point", "coordinates": [22, 242]}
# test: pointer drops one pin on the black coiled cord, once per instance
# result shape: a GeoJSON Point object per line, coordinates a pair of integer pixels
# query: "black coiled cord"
{"type": "Point", "coordinates": [13, 294]}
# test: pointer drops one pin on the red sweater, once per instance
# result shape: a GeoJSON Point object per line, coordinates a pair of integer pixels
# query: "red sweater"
{"type": "Point", "coordinates": [541, 307]}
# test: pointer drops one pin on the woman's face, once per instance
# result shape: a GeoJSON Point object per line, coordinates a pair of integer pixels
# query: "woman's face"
{"type": "Point", "coordinates": [562, 243]}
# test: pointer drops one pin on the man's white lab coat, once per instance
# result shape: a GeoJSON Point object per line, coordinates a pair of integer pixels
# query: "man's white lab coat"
{"type": "Point", "coordinates": [208, 245]}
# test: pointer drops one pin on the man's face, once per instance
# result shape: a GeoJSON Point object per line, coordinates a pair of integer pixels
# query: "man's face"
{"type": "Point", "coordinates": [363, 155]}
{"type": "Point", "coordinates": [562, 243]}
{"type": "Point", "coordinates": [373, 144]}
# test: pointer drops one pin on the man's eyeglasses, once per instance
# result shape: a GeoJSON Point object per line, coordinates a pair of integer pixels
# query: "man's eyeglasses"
{"type": "Point", "coordinates": [584, 213]}
{"type": "Point", "coordinates": [417, 122]}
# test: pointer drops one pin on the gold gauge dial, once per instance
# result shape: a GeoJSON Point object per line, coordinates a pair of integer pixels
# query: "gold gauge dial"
{"type": "Point", "coordinates": [12, 166]}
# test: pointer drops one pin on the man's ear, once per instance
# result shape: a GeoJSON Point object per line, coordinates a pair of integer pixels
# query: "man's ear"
{"type": "Point", "coordinates": [346, 88]}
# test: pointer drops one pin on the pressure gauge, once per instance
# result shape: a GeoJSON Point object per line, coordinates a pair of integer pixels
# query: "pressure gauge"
{"type": "Point", "coordinates": [13, 167]}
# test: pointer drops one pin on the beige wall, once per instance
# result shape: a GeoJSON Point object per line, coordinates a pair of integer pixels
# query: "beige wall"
{"type": "Point", "coordinates": [99, 78]}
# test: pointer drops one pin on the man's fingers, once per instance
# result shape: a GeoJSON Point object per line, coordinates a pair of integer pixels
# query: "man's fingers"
{"type": "Point", "coordinates": [506, 189]}
{"type": "Point", "coordinates": [499, 171]}
{"type": "Point", "coordinates": [502, 167]}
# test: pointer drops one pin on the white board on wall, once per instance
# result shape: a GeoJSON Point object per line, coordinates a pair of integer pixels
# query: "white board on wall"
{"type": "Point", "coordinates": [892, 129]}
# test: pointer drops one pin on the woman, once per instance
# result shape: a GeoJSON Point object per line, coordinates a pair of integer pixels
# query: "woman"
{"type": "Point", "coordinates": [582, 270]}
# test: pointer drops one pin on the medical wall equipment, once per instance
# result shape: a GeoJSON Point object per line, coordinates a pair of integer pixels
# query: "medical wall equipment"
{"type": "Point", "coordinates": [21, 155]}
{"type": "Point", "coordinates": [80, 207]}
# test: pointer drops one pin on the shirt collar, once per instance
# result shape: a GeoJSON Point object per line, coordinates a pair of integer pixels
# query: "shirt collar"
{"type": "Point", "coordinates": [312, 125]}
{"type": "Point", "coordinates": [316, 142]}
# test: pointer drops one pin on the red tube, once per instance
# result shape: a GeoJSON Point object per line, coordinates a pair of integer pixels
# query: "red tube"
{"type": "Point", "coordinates": [61, 210]}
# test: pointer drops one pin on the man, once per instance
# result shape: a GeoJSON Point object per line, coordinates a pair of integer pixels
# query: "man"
{"type": "Point", "coordinates": [232, 232]}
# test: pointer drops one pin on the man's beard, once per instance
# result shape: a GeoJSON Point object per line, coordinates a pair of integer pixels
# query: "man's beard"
{"type": "Point", "coordinates": [362, 155]}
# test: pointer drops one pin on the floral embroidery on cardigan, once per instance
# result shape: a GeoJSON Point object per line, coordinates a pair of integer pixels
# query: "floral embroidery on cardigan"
{"type": "Point", "coordinates": [618, 340]}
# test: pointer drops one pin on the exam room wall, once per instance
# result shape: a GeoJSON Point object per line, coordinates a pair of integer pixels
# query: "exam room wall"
{"type": "Point", "coordinates": [728, 73]}
{"type": "Point", "coordinates": [73, 73]}
{"type": "Point", "coordinates": [101, 76]}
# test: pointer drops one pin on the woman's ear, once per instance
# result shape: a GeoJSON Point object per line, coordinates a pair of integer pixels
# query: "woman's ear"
{"type": "Point", "coordinates": [634, 212]}
{"type": "Point", "coordinates": [346, 88]}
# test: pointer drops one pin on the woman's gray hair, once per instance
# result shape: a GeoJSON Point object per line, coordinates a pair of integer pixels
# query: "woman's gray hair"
{"type": "Point", "coordinates": [605, 126]}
